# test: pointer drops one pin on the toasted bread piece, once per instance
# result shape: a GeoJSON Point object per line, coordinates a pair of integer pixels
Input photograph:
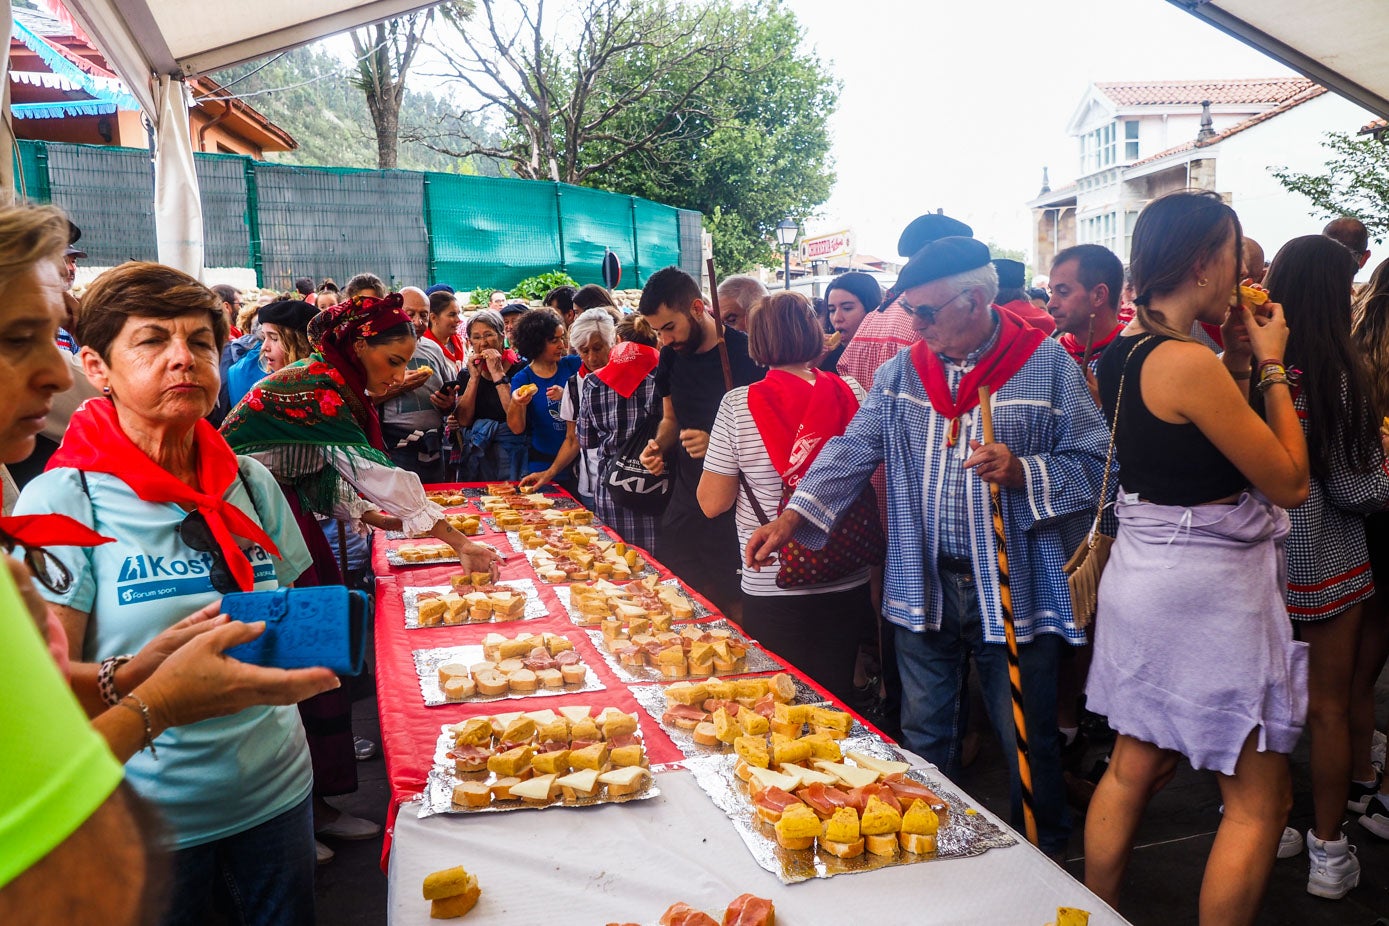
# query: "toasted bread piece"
{"type": "Point", "coordinates": [472, 794]}
{"type": "Point", "coordinates": [621, 782]}
{"type": "Point", "coordinates": [884, 845]}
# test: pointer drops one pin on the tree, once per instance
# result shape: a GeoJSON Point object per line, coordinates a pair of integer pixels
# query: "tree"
{"type": "Point", "coordinates": [1356, 182]}
{"type": "Point", "coordinates": [709, 106]}
{"type": "Point", "coordinates": [309, 94]}
{"type": "Point", "coordinates": [385, 52]}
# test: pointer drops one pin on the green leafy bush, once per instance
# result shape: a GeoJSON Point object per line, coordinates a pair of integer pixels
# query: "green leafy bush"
{"type": "Point", "coordinates": [537, 287]}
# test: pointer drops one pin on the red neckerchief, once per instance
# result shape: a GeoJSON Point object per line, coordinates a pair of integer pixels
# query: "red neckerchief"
{"type": "Point", "coordinates": [452, 348]}
{"type": "Point", "coordinates": [35, 531]}
{"type": "Point", "coordinates": [1213, 331]}
{"type": "Point", "coordinates": [795, 417]}
{"type": "Point", "coordinates": [1016, 343]}
{"type": "Point", "coordinates": [96, 443]}
{"type": "Point", "coordinates": [1076, 347]}
{"type": "Point", "coordinates": [628, 364]}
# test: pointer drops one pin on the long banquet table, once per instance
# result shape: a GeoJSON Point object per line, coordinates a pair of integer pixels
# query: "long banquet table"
{"type": "Point", "coordinates": [628, 862]}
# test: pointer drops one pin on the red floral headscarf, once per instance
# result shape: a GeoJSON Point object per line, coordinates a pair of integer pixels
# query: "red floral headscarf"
{"type": "Point", "coordinates": [333, 332]}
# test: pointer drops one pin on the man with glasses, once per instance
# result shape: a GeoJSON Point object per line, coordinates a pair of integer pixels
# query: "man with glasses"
{"type": "Point", "coordinates": [231, 305]}
{"type": "Point", "coordinates": [941, 588]}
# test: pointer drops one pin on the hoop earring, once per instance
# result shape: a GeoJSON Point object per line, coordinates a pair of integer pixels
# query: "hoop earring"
{"type": "Point", "coordinates": [1202, 282]}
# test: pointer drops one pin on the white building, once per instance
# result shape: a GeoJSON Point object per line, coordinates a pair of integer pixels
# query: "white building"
{"type": "Point", "coordinates": [1137, 141]}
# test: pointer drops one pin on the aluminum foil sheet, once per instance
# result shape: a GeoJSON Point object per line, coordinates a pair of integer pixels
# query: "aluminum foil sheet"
{"type": "Point", "coordinates": [395, 559]}
{"type": "Point", "coordinates": [646, 569]}
{"type": "Point", "coordinates": [758, 660]}
{"type": "Point", "coordinates": [700, 611]}
{"type": "Point", "coordinates": [428, 661]}
{"type": "Point", "coordinates": [438, 790]}
{"type": "Point", "coordinates": [965, 835]}
{"type": "Point", "coordinates": [652, 698]}
{"type": "Point", "coordinates": [535, 606]}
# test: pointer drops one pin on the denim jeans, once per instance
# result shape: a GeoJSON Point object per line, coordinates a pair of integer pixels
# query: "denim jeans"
{"type": "Point", "coordinates": [933, 666]}
{"type": "Point", "coordinates": [263, 876]}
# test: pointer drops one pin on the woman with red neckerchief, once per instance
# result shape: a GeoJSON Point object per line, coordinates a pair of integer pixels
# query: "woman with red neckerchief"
{"type": "Point", "coordinates": [188, 521]}
{"type": "Point", "coordinates": [760, 435]}
{"type": "Point", "coordinates": [444, 319]}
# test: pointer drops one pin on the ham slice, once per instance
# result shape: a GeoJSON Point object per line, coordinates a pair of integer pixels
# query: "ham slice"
{"type": "Point", "coordinates": [747, 910]}
{"type": "Point", "coordinates": [908, 791]}
{"type": "Point", "coordinates": [823, 800]}
{"type": "Point", "coordinates": [682, 914]}
{"type": "Point", "coordinates": [570, 658]}
{"type": "Point", "coordinates": [470, 753]}
{"type": "Point", "coordinates": [775, 799]}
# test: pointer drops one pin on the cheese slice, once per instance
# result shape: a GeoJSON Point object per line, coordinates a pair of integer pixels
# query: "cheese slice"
{"type": "Point", "coordinates": [851, 776]}
{"type": "Point", "coordinates": [627, 776]}
{"type": "Point", "coordinates": [608, 712]}
{"type": "Point", "coordinates": [539, 788]}
{"type": "Point", "coordinates": [766, 778]}
{"type": "Point", "coordinates": [881, 766]}
{"type": "Point", "coordinates": [576, 713]}
{"type": "Point", "coordinates": [584, 781]}
{"type": "Point", "coordinates": [808, 776]}
{"type": "Point", "coordinates": [505, 720]}
{"type": "Point", "coordinates": [542, 717]}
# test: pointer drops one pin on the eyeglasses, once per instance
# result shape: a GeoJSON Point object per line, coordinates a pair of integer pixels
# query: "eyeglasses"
{"type": "Point", "coordinates": [927, 313]}
{"type": "Point", "coordinates": [194, 531]}
{"type": "Point", "coordinates": [46, 569]}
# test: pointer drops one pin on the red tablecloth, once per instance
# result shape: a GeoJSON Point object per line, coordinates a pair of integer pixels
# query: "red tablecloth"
{"type": "Point", "coordinates": [410, 728]}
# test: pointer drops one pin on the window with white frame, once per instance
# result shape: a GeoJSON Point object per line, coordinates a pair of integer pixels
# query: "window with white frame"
{"type": "Point", "coordinates": [1099, 149]}
{"type": "Point", "coordinates": [1130, 139]}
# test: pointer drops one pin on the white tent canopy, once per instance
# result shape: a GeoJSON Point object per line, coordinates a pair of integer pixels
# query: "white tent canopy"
{"type": "Point", "coordinates": [154, 44]}
{"type": "Point", "coordinates": [1338, 43]}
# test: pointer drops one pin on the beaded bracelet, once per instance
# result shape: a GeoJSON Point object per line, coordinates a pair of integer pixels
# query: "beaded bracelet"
{"type": "Point", "coordinates": [134, 703]}
{"type": "Point", "coordinates": [106, 678]}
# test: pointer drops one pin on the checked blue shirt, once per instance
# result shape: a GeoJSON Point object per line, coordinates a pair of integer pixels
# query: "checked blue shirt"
{"type": "Point", "coordinates": [1045, 415]}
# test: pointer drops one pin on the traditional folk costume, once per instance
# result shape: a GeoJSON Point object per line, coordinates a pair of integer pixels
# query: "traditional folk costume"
{"type": "Point", "coordinates": [615, 401]}
{"type": "Point", "coordinates": [917, 421]}
{"type": "Point", "coordinates": [1076, 346]}
{"type": "Point", "coordinates": [314, 427]}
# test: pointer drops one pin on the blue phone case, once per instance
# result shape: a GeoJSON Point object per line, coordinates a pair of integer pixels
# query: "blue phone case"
{"type": "Point", "coordinates": [304, 627]}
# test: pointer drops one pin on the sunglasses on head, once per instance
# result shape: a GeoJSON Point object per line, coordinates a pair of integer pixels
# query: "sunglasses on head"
{"type": "Point", "coordinates": [45, 568]}
{"type": "Point", "coordinates": [195, 532]}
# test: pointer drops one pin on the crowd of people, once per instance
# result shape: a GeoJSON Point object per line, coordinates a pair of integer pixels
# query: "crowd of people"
{"type": "Point", "coordinates": [827, 472]}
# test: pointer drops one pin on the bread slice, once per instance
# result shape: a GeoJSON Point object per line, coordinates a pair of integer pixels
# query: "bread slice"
{"type": "Point", "coordinates": [472, 794]}
{"type": "Point", "coordinates": [538, 790]}
{"type": "Point", "coordinates": [622, 782]}
{"type": "Point", "coordinates": [579, 784]}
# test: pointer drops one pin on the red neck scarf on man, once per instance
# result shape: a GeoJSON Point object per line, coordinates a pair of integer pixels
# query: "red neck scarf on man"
{"type": "Point", "coordinates": [452, 348]}
{"type": "Point", "coordinates": [796, 418]}
{"type": "Point", "coordinates": [96, 443]}
{"type": "Point", "coordinates": [1076, 347]}
{"type": "Point", "coordinates": [1016, 343]}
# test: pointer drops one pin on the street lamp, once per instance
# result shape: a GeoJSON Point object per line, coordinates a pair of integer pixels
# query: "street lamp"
{"type": "Point", "coordinates": [786, 232]}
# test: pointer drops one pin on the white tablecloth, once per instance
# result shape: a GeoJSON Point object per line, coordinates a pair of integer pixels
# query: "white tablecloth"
{"type": "Point", "coordinates": [627, 863]}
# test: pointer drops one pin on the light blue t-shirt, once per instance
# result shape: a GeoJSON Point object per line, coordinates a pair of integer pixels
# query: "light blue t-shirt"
{"type": "Point", "coordinates": [225, 775]}
{"type": "Point", "coordinates": [243, 375]}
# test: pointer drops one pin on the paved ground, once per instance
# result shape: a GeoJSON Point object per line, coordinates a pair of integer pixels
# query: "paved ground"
{"type": "Point", "coordinates": [1164, 877]}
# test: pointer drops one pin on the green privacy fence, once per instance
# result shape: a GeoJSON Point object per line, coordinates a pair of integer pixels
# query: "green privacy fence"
{"type": "Point", "coordinates": [405, 226]}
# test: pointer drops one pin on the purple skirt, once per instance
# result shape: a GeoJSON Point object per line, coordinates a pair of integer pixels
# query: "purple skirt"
{"type": "Point", "coordinates": [1193, 647]}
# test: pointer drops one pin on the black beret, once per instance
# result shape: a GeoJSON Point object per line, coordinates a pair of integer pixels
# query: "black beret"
{"type": "Point", "coordinates": [1011, 273]}
{"type": "Point", "coordinates": [942, 258]}
{"type": "Point", "coordinates": [514, 308]}
{"type": "Point", "coordinates": [927, 228]}
{"type": "Point", "coordinates": [287, 313]}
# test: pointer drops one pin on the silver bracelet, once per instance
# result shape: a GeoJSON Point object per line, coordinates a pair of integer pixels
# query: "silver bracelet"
{"type": "Point", "coordinates": [134, 703]}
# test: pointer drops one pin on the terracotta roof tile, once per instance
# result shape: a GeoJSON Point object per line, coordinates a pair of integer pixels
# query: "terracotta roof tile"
{"type": "Point", "coordinates": [1194, 92]}
{"type": "Point", "coordinates": [1310, 92]}
{"type": "Point", "coordinates": [1374, 128]}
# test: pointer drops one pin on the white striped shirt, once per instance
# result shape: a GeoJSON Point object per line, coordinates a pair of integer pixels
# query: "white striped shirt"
{"type": "Point", "coordinates": [736, 446]}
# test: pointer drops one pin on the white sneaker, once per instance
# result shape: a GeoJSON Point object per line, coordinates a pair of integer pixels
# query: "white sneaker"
{"type": "Point", "coordinates": [1290, 844]}
{"type": "Point", "coordinates": [322, 853]}
{"type": "Point", "coordinates": [1376, 816]}
{"type": "Point", "coordinates": [346, 826]}
{"type": "Point", "coordinates": [1333, 870]}
{"type": "Point", "coordinates": [1377, 747]}
{"type": "Point", "coordinates": [1358, 795]}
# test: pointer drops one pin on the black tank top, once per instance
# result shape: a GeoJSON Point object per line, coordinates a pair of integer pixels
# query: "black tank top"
{"type": "Point", "coordinates": [1168, 464]}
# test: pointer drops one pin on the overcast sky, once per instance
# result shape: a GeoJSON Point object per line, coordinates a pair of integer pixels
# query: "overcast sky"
{"type": "Point", "coordinates": [958, 105]}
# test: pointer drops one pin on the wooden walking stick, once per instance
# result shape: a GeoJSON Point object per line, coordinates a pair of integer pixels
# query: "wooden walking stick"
{"type": "Point", "coordinates": [1005, 597]}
